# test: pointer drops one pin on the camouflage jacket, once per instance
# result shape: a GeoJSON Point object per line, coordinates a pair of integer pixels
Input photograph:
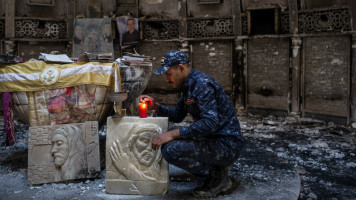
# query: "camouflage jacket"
{"type": "Point", "coordinates": [205, 99]}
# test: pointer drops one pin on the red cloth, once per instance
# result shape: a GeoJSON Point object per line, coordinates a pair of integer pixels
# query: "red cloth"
{"type": "Point", "coordinates": [69, 91]}
{"type": "Point", "coordinates": [10, 138]}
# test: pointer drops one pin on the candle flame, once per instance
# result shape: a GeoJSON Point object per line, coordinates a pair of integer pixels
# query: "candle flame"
{"type": "Point", "coordinates": [143, 105]}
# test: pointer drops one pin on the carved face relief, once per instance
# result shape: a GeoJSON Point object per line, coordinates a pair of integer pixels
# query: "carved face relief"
{"type": "Point", "coordinates": [60, 149]}
{"type": "Point", "coordinates": [132, 166]}
{"type": "Point", "coordinates": [142, 148]}
{"type": "Point", "coordinates": [63, 152]}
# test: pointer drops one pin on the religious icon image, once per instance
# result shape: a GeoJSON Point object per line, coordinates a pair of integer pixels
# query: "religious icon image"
{"type": "Point", "coordinates": [132, 166]}
{"type": "Point", "coordinates": [129, 31]}
{"type": "Point", "coordinates": [68, 152]}
{"type": "Point", "coordinates": [63, 152]}
{"type": "Point", "coordinates": [93, 36]}
{"type": "Point", "coordinates": [144, 162]}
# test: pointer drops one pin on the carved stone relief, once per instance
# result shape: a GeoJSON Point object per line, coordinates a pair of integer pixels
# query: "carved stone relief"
{"type": "Point", "coordinates": [33, 28]}
{"type": "Point", "coordinates": [63, 152]}
{"type": "Point", "coordinates": [210, 27]}
{"type": "Point", "coordinates": [132, 166]}
{"type": "Point", "coordinates": [160, 30]}
{"type": "Point", "coordinates": [324, 21]}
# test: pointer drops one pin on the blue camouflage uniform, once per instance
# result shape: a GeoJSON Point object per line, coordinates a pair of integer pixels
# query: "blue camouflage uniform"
{"type": "Point", "coordinates": [214, 140]}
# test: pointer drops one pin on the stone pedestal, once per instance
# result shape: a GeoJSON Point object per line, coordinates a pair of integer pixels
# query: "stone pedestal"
{"type": "Point", "coordinates": [63, 152]}
{"type": "Point", "coordinates": [132, 166]}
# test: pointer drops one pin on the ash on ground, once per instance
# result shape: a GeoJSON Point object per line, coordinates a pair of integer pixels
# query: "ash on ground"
{"type": "Point", "coordinates": [322, 154]}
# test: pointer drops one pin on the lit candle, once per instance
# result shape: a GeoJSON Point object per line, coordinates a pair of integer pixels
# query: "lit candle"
{"type": "Point", "coordinates": [142, 110]}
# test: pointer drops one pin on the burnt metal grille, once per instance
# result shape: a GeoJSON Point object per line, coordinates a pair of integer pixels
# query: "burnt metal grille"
{"type": "Point", "coordinates": [284, 23]}
{"type": "Point", "coordinates": [324, 21]}
{"type": "Point", "coordinates": [33, 28]}
{"type": "Point", "coordinates": [244, 25]}
{"type": "Point", "coordinates": [198, 28]}
{"type": "Point", "coordinates": [160, 30]}
{"type": "Point", "coordinates": [2, 28]}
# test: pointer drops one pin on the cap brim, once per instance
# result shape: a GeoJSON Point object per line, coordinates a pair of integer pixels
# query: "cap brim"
{"type": "Point", "coordinates": [161, 70]}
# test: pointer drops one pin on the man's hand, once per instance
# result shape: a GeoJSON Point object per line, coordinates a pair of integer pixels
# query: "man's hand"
{"type": "Point", "coordinates": [164, 138]}
{"type": "Point", "coordinates": [152, 105]}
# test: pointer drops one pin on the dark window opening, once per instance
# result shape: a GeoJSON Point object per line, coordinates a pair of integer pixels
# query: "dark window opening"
{"type": "Point", "coordinates": [262, 22]}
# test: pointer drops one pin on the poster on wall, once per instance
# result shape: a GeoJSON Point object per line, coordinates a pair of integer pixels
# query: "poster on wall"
{"type": "Point", "coordinates": [128, 29]}
{"type": "Point", "coordinates": [93, 36]}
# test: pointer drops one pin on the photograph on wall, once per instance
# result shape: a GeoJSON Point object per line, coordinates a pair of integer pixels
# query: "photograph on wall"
{"type": "Point", "coordinates": [93, 36]}
{"type": "Point", "coordinates": [129, 31]}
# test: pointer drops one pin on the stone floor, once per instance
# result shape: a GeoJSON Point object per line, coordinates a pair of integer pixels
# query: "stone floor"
{"type": "Point", "coordinates": [283, 158]}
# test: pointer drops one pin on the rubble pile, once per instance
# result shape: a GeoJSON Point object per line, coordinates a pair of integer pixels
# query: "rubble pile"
{"type": "Point", "coordinates": [323, 153]}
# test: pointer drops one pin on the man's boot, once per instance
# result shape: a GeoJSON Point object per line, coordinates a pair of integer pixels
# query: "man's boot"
{"type": "Point", "coordinates": [218, 183]}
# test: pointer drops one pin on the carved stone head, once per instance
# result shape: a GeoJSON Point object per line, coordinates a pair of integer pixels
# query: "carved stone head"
{"type": "Point", "coordinates": [66, 144]}
{"type": "Point", "coordinates": [140, 143]}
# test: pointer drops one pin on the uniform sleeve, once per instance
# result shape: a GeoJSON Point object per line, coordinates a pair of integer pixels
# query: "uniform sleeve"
{"type": "Point", "coordinates": [209, 121]}
{"type": "Point", "coordinates": [176, 114]}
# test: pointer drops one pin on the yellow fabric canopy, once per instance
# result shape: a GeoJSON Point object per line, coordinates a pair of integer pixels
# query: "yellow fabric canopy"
{"type": "Point", "coordinates": [37, 76]}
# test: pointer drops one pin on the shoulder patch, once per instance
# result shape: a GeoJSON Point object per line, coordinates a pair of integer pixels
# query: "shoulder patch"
{"type": "Point", "coordinates": [189, 101]}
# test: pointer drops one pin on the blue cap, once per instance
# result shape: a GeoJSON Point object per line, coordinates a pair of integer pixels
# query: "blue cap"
{"type": "Point", "coordinates": [171, 58]}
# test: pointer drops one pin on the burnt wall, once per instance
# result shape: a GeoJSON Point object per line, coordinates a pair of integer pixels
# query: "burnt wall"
{"type": "Point", "coordinates": [214, 58]}
{"type": "Point", "coordinates": [212, 33]}
{"type": "Point", "coordinates": [268, 73]}
{"type": "Point", "coordinates": [156, 50]}
{"type": "Point", "coordinates": [157, 86]}
{"type": "Point", "coordinates": [160, 8]}
{"type": "Point", "coordinates": [196, 9]}
{"type": "Point", "coordinates": [23, 9]}
{"type": "Point", "coordinates": [325, 4]}
{"type": "Point", "coordinates": [326, 75]}
{"type": "Point", "coordinates": [253, 4]}
{"type": "Point", "coordinates": [28, 50]}
{"type": "Point", "coordinates": [211, 57]}
{"type": "Point", "coordinates": [2, 10]}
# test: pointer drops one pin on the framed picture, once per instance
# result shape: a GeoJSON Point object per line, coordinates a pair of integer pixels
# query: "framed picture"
{"type": "Point", "coordinates": [93, 36]}
{"type": "Point", "coordinates": [128, 30]}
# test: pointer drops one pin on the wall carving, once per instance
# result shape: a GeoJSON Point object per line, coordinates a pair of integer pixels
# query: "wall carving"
{"type": "Point", "coordinates": [34, 28]}
{"type": "Point", "coordinates": [324, 21]}
{"type": "Point", "coordinates": [160, 30]}
{"type": "Point", "coordinates": [244, 24]}
{"type": "Point", "coordinates": [284, 21]}
{"type": "Point", "coordinates": [63, 152]}
{"type": "Point", "coordinates": [198, 28]}
{"type": "Point", "coordinates": [132, 166]}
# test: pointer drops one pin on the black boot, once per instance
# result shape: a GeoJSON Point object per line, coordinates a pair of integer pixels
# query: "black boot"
{"type": "Point", "coordinates": [217, 183]}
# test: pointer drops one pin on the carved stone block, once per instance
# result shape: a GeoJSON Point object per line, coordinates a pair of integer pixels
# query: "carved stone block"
{"type": "Point", "coordinates": [132, 166]}
{"type": "Point", "coordinates": [63, 152]}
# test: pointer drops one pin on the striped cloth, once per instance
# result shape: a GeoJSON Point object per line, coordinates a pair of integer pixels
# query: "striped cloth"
{"type": "Point", "coordinates": [37, 76]}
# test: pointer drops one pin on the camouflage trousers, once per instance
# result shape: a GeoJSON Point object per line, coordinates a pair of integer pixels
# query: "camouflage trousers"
{"type": "Point", "coordinates": [201, 157]}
